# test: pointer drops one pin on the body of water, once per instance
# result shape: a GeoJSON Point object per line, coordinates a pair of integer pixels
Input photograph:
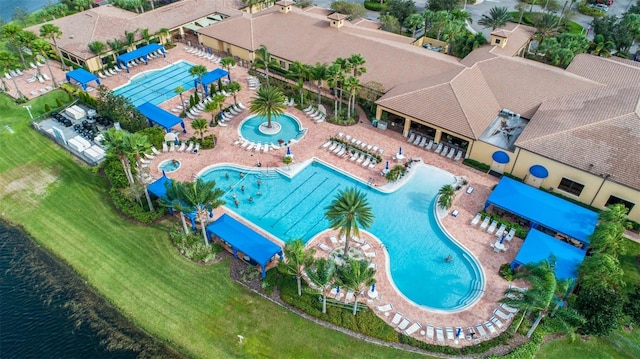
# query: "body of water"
{"type": "Point", "coordinates": [47, 311]}
{"type": "Point", "coordinates": [8, 7]}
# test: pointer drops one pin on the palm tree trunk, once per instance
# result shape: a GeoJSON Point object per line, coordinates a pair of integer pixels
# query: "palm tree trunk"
{"type": "Point", "coordinates": [53, 78]}
{"type": "Point", "coordinates": [204, 229]}
{"type": "Point", "coordinates": [324, 303]}
{"type": "Point", "coordinates": [127, 169]}
{"type": "Point", "coordinates": [146, 194]}
{"type": "Point", "coordinates": [319, 94]}
{"type": "Point", "coordinates": [347, 237]}
{"type": "Point", "coordinates": [535, 324]}
{"type": "Point", "coordinates": [269, 120]}
{"type": "Point", "coordinates": [299, 285]}
{"type": "Point", "coordinates": [355, 304]}
{"type": "Point", "coordinates": [349, 108]}
{"type": "Point", "coordinates": [520, 322]}
{"type": "Point", "coordinates": [184, 223]}
{"type": "Point", "coordinates": [340, 98]}
{"type": "Point", "coordinates": [20, 94]}
{"type": "Point", "coordinates": [55, 44]}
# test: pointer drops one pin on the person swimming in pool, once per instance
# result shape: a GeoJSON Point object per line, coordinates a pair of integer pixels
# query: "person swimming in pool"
{"type": "Point", "coordinates": [448, 259]}
{"type": "Point", "coordinates": [250, 199]}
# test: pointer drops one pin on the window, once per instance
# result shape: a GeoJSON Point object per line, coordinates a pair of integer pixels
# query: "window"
{"type": "Point", "coordinates": [615, 200]}
{"type": "Point", "coordinates": [283, 64]}
{"type": "Point", "coordinates": [497, 41]}
{"type": "Point", "coordinates": [570, 186]}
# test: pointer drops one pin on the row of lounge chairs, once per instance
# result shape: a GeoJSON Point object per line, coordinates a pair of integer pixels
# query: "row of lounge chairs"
{"type": "Point", "coordinates": [253, 82]}
{"type": "Point", "coordinates": [256, 147]}
{"type": "Point", "coordinates": [289, 102]}
{"type": "Point", "coordinates": [202, 53]}
{"type": "Point", "coordinates": [492, 227]}
{"type": "Point", "coordinates": [439, 148]}
{"type": "Point", "coordinates": [231, 112]}
{"type": "Point", "coordinates": [316, 115]}
{"type": "Point", "coordinates": [361, 144]}
{"type": "Point", "coordinates": [33, 65]}
{"type": "Point", "coordinates": [109, 72]}
{"type": "Point", "coordinates": [354, 155]}
{"type": "Point", "coordinates": [13, 73]}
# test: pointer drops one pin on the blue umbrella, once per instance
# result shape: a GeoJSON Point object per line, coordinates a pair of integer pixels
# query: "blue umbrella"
{"type": "Point", "coordinates": [458, 332]}
{"type": "Point", "coordinates": [165, 175]}
{"type": "Point", "coordinates": [373, 287]}
{"type": "Point", "coordinates": [338, 291]}
{"type": "Point", "coordinates": [400, 151]}
{"type": "Point", "coordinates": [502, 239]}
{"type": "Point", "coordinates": [288, 150]}
{"type": "Point", "coordinates": [387, 166]}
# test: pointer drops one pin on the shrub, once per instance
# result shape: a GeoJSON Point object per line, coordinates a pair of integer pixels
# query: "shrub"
{"type": "Point", "coordinates": [58, 102]}
{"type": "Point", "coordinates": [192, 246]}
{"type": "Point", "coordinates": [474, 349]}
{"type": "Point", "coordinates": [477, 165]}
{"type": "Point", "coordinates": [520, 231]}
{"type": "Point", "coordinates": [154, 134]}
{"type": "Point", "coordinates": [114, 171]}
{"type": "Point", "coordinates": [207, 142]}
{"type": "Point", "coordinates": [584, 8]}
{"type": "Point", "coordinates": [506, 272]}
{"type": "Point", "coordinates": [374, 5]}
{"type": "Point", "coordinates": [395, 173]}
{"type": "Point", "coordinates": [632, 308]}
{"type": "Point", "coordinates": [133, 209]}
{"type": "Point", "coordinates": [47, 108]}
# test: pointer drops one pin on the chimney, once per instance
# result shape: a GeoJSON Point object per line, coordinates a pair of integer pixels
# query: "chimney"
{"type": "Point", "coordinates": [336, 20]}
{"type": "Point", "coordinates": [285, 6]}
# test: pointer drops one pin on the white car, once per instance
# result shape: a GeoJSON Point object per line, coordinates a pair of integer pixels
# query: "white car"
{"type": "Point", "coordinates": [601, 7]}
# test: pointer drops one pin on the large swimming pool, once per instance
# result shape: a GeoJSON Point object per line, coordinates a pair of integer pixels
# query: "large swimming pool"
{"type": "Point", "coordinates": [291, 208]}
{"type": "Point", "coordinates": [157, 86]}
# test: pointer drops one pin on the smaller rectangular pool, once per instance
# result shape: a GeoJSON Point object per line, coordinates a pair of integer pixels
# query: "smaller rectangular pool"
{"type": "Point", "coordinates": [157, 86]}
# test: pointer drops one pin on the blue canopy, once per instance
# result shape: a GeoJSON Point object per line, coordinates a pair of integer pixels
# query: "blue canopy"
{"type": "Point", "coordinates": [539, 246]}
{"type": "Point", "coordinates": [542, 208]}
{"type": "Point", "coordinates": [159, 116]}
{"type": "Point", "coordinates": [500, 157]}
{"type": "Point", "coordinates": [538, 171]}
{"type": "Point", "coordinates": [82, 76]}
{"type": "Point", "coordinates": [210, 77]}
{"type": "Point", "coordinates": [244, 239]}
{"type": "Point", "coordinates": [138, 53]}
{"type": "Point", "coordinates": [157, 187]}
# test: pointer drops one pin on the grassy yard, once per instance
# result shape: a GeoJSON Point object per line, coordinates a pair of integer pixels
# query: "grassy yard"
{"type": "Point", "coordinates": [618, 345]}
{"type": "Point", "coordinates": [196, 309]}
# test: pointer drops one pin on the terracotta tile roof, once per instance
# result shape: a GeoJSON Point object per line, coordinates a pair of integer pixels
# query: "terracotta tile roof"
{"type": "Point", "coordinates": [517, 35]}
{"type": "Point", "coordinates": [367, 23]}
{"type": "Point", "coordinates": [108, 22]}
{"type": "Point", "coordinates": [391, 59]}
{"type": "Point", "coordinates": [337, 16]}
{"type": "Point", "coordinates": [480, 54]}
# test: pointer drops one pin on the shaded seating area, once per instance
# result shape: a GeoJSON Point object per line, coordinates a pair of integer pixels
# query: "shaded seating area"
{"type": "Point", "coordinates": [82, 76]}
{"type": "Point", "coordinates": [243, 239]}
{"type": "Point", "coordinates": [158, 189]}
{"type": "Point", "coordinates": [539, 246]}
{"type": "Point", "coordinates": [210, 78]}
{"type": "Point", "coordinates": [143, 52]}
{"type": "Point", "coordinates": [541, 209]}
{"type": "Point", "coordinates": [160, 117]}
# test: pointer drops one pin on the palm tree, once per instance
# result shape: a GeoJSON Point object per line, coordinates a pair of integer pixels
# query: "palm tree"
{"type": "Point", "coordinates": [349, 211]}
{"type": "Point", "coordinates": [445, 196]}
{"type": "Point", "coordinates": [211, 107]}
{"type": "Point", "coordinates": [138, 145]}
{"type": "Point", "coordinates": [130, 38]}
{"type": "Point", "coordinates": [251, 3]}
{"type": "Point", "coordinates": [117, 142]}
{"type": "Point", "coordinates": [356, 276]}
{"type": "Point", "coordinates": [7, 60]}
{"type": "Point", "coordinates": [334, 76]}
{"type": "Point", "coordinates": [546, 26]}
{"type": "Point", "coordinates": [164, 33]}
{"type": "Point", "coordinates": [412, 22]}
{"type": "Point", "coordinates": [202, 197]}
{"type": "Point", "coordinates": [345, 67]}
{"type": "Point", "coordinates": [351, 85]}
{"type": "Point", "coordinates": [322, 273]}
{"type": "Point", "coordinates": [23, 40]}
{"type": "Point", "coordinates": [319, 73]}
{"type": "Point", "coordinates": [268, 102]}
{"type": "Point", "coordinates": [296, 258]}
{"type": "Point", "coordinates": [298, 72]}
{"type": "Point", "coordinates": [265, 60]}
{"type": "Point", "coordinates": [41, 47]}
{"type": "Point", "coordinates": [97, 47]}
{"type": "Point", "coordinates": [9, 33]}
{"type": "Point", "coordinates": [179, 90]}
{"type": "Point", "coordinates": [52, 32]}
{"type": "Point", "coordinates": [171, 200]}
{"type": "Point", "coordinates": [227, 63]}
{"type": "Point", "coordinates": [234, 87]}
{"type": "Point", "coordinates": [146, 35]}
{"type": "Point", "coordinates": [356, 62]}
{"type": "Point", "coordinates": [498, 17]}
{"type": "Point", "coordinates": [199, 71]}
{"type": "Point", "coordinates": [200, 127]}
{"type": "Point", "coordinates": [116, 45]}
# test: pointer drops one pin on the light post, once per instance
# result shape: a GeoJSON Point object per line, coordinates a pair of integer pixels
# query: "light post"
{"type": "Point", "coordinates": [28, 107]}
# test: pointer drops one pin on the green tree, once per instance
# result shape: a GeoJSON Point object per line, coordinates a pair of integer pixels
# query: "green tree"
{"type": "Point", "coordinates": [216, 103]}
{"type": "Point", "coordinates": [7, 61]}
{"type": "Point", "coordinates": [352, 86]}
{"type": "Point", "coordinates": [146, 35]}
{"type": "Point", "coordinates": [130, 38]}
{"type": "Point", "coordinates": [348, 212]}
{"type": "Point", "coordinates": [400, 9]}
{"type": "Point", "coordinates": [52, 32]}
{"type": "Point", "coordinates": [199, 71]}
{"type": "Point", "coordinates": [300, 73]}
{"type": "Point", "coordinates": [319, 73]}
{"type": "Point", "coordinates": [498, 17]}
{"type": "Point", "coordinates": [251, 3]}
{"type": "Point", "coordinates": [202, 197]}
{"type": "Point", "coordinates": [443, 5]}
{"type": "Point", "coordinates": [227, 63]}
{"type": "Point", "coordinates": [138, 145]}
{"type": "Point", "coordinates": [412, 22]}
{"type": "Point", "coordinates": [264, 60]}
{"type": "Point", "coordinates": [446, 195]}
{"type": "Point", "coordinates": [626, 32]}
{"type": "Point", "coordinates": [10, 34]}
{"type": "Point", "coordinates": [97, 47]}
{"type": "Point", "coordinates": [268, 102]}
{"type": "Point", "coordinates": [120, 109]}
{"type": "Point", "coordinates": [390, 23]}
{"type": "Point", "coordinates": [234, 87]}
{"type": "Point", "coordinates": [119, 144]}
{"type": "Point", "coordinates": [179, 90]}
{"type": "Point", "coordinates": [435, 21]}
{"type": "Point", "coordinates": [334, 77]}
{"type": "Point", "coordinates": [352, 10]}
{"type": "Point", "coordinates": [296, 258]}
{"type": "Point", "coordinates": [42, 48]}
{"type": "Point", "coordinates": [24, 39]}
{"type": "Point", "coordinates": [561, 50]}
{"type": "Point", "coordinates": [345, 67]}
{"type": "Point", "coordinates": [546, 26]}
{"type": "Point", "coordinates": [116, 45]}
{"type": "Point", "coordinates": [200, 127]}
{"type": "Point", "coordinates": [322, 273]}
{"type": "Point", "coordinates": [356, 276]}
{"type": "Point", "coordinates": [600, 47]}
{"type": "Point", "coordinates": [287, 160]}
{"type": "Point", "coordinates": [602, 307]}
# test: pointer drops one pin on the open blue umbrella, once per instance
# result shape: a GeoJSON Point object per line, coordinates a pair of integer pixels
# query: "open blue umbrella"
{"type": "Point", "coordinates": [288, 150]}
{"type": "Point", "coordinates": [387, 166]}
{"type": "Point", "coordinates": [400, 151]}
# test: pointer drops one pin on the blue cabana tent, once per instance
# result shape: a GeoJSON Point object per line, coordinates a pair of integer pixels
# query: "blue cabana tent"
{"type": "Point", "coordinates": [541, 208]}
{"type": "Point", "coordinates": [82, 76]}
{"type": "Point", "coordinates": [123, 60]}
{"type": "Point", "coordinates": [161, 117]}
{"type": "Point", "coordinates": [244, 239]}
{"type": "Point", "coordinates": [210, 77]}
{"type": "Point", "coordinates": [158, 187]}
{"type": "Point", "coordinates": [539, 246]}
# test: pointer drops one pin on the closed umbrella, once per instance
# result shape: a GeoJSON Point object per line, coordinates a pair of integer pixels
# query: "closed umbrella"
{"type": "Point", "coordinates": [387, 166]}
{"type": "Point", "coordinates": [400, 151]}
{"type": "Point", "coordinates": [373, 287]}
{"type": "Point", "coordinates": [288, 150]}
{"type": "Point", "coordinates": [502, 239]}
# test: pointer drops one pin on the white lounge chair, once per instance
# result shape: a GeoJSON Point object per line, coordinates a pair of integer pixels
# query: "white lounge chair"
{"type": "Point", "coordinates": [476, 219]}
{"type": "Point", "coordinates": [148, 156]}
{"type": "Point", "coordinates": [165, 148]}
{"type": "Point", "coordinates": [492, 329]}
{"type": "Point", "coordinates": [385, 308]}
{"type": "Point", "coordinates": [189, 147]}
{"type": "Point", "coordinates": [365, 247]}
{"type": "Point", "coordinates": [411, 137]}
{"type": "Point", "coordinates": [243, 107]}
{"type": "Point", "coordinates": [501, 230]}
{"type": "Point", "coordinates": [449, 331]}
{"type": "Point", "coordinates": [417, 140]}
{"type": "Point", "coordinates": [458, 155]}
{"type": "Point", "coordinates": [423, 141]}
{"type": "Point", "coordinates": [155, 151]}
{"type": "Point", "coordinates": [182, 147]}
{"type": "Point", "coordinates": [404, 324]}
{"type": "Point", "coordinates": [101, 75]}
{"type": "Point", "coordinates": [502, 315]}
{"type": "Point", "coordinates": [370, 254]}
{"type": "Point", "coordinates": [439, 335]}
{"type": "Point", "coordinates": [481, 332]}
{"type": "Point", "coordinates": [509, 237]}
{"type": "Point", "coordinates": [485, 222]}
{"type": "Point", "coordinates": [348, 297]}
{"type": "Point", "coordinates": [196, 149]}
{"type": "Point", "coordinates": [327, 144]}
{"type": "Point", "coordinates": [508, 308]}
{"type": "Point", "coordinates": [430, 331]}
{"type": "Point", "coordinates": [429, 145]}
{"type": "Point", "coordinates": [444, 151]}
{"type": "Point", "coordinates": [172, 147]}
{"type": "Point", "coordinates": [492, 227]}
{"type": "Point", "coordinates": [396, 318]}
{"type": "Point", "coordinates": [413, 328]}
{"type": "Point", "coordinates": [497, 322]}
{"type": "Point", "coordinates": [439, 148]}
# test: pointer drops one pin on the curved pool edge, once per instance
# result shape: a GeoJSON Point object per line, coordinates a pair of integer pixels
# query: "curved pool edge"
{"type": "Point", "coordinates": [303, 130]}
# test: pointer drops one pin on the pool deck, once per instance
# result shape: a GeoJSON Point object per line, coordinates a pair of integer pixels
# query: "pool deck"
{"type": "Point", "coordinates": [474, 239]}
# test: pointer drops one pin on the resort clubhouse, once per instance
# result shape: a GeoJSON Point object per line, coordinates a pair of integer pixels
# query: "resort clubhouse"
{"type": "Point", "coordinates": [427, 189]}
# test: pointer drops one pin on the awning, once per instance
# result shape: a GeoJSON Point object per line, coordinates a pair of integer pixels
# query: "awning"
{"type": "Point", "coordinates": [538, 171]}
{"type": "Point", "coordinates": [142, 52]}
{"type": "Point", "coordinates": [82, 76]}
{"type": "Point", "coordinates": [500, 157]}
{"type": "Point", "coordinates": [159, 116]}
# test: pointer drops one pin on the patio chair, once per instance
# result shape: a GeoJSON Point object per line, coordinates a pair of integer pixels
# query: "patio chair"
{"type": "Point", "coordinates": [182, 147]}
{"type": "Point", "coordinates": [326, 144]}
{"type": "Point", "coordinates": [396, 318]}
{"type": "Point", "coordinates": [148, 156]}
{"type": "Point", "coordinates": [33, 66]}
{"type": "Point", "coordinates": [423, 141]}
{"type": "Point", "coordinates": [361, 158]}
{"type": "Point", "coordinates": [417, 140]}
{"type": "Point", "coordinates": [439, 148]}
{"type": "Point", "coordinates": [258, 147]}
{"type": "Point", "coordinates": [413, 328]}
{"type": "Point", "coordinates": [449, 331]}
{"type": "Point", "coordinates": [172, 147]}
{"type": "Point", "coordinates": [508, 308]}
{"type": "Point", "coordinates": [476, 219]}
{"type": "Point", "coordinates": [480, 330]}
{"type": "Point", "coordinates": [265, 148]}
{"type": "Point", "coordinates": [385, 308]}
{"type": "Point", "coordinates": [470, 190]}
{"type": "Point", "coordinates": [458, 155]}
{"type": "Point", "coordinates": [509, 237]}
{"type": "Point", "coordinates": [245, 144]}
{"type": "Point", "coordinates": [492, 329]}
{"type": "Point", "coordinates": [430, 331]}
{"type": "Point", "coordinates": [501, 230]}
{"type": "Point", "coordinates": [243, 107]}
{"type": "Point", "coordinates": [439, 335]}
{"type": "Point", "coordinates": [502, 315]}
{"type": "Point", "coordinates": [196, 149]}
{"type": "Point", "coordinates": [372, 164]}
{"type": "Point", "coordinates": [404, 324]}
{"type": "Point", "coordinates": [452, 151]}
{"type": "Point", "coordinates": [492, 227]}
{"type": "Point", "coordinates": [333, 146]}
{"type": "Point", "coordinates": [348, 297]}
{"type": "Point", "coordinates": [485, 222]}
{"type": "Point", "coordinates": [165, 148]}
{"type": "Point", "coordinates": [101, 75]}
{"type": "Point", "coordinates": [373, 266]}
{"type": "Point", "coordinates": [429, 145]}
{"type": "Point", "coordinates": [189, 147]}
{"type": "Point", "coordinates": [412, 136]}
{"type": "Point", "coordinates": [370, 254]}
{"type": "Point", "coordinates": [155, 150]}
{"type": "Point", "coordinates": [497, 322]}
{"type": "Point", "coordinates": [444, 151]}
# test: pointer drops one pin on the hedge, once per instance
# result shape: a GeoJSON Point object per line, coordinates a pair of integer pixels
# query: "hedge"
{"type": "Point", "coordinates": [375, 6]}
{"type": "Point", "coordinates": [477, 165]}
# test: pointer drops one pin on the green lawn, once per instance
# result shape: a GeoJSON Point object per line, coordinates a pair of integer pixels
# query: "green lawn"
{"type": "Point", "coordinates": [196, 309]}
{"type": "Point", "coordinates": [619, 345]}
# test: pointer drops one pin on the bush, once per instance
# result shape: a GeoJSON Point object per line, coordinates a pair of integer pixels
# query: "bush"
{"type": "Point", "coordinates": [192, 245]}
{"type": "Point", "coordinates": [114, 171]}
{"type": "Point", "coordinates": [526, 350]}
{"type": "Point", "coordinates": [154, 134]}
{"type": "Point", "coordinates": [133, 209]}
{"type": "Point", "coordinates": [507, 174]}
{"type": "Point", "coordinates": [477, 165]}
{"type": "Point", "coordinates": [374, 5]}
{"type": "Point", "coordinates": [632, 308]}
{"type": "Point", "coordinates": [58, 102]}
{"type": "Point", "coordinates": [474, 349]}
{"type": "Point", "coordinates": [506, 272]}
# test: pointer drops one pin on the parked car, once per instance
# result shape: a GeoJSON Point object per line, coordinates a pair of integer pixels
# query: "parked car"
{"type": "Point", "coordinates": [601, 7]}
{"type": "Point", "coordinates": [605, 2]}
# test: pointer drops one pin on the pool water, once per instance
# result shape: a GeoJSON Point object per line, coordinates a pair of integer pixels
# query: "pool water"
{"type": "Point", "coordinates": [291, 129]}
{"type": "Point", "coordinates": [157, 86]}
{"type": "Point", "coordinates": [169, 166]}
{"type": "Point", "coordinates": [291, 208]}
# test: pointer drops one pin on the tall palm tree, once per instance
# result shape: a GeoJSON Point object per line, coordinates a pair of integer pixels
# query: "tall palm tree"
{"type": "Point", "coordinates": [498, 17]}
{"type": "Point", "coordinates": [322, 273]}
{"type": "Point", "coordinates": [139, 144]}
{"type": "Point", "coordinates": [97, 47]}
{"type": "Point", "coordinates": [52, 32]}
{"type": "Point", "coordinates": [212, 107]}
{"type": "Point", "coordinates": [351, 85]}
{"type": "Point", "coordinates": [179, 90]}
{"type": "Point", "coordinates": [268, 102]}
{"type": "Point", "coordinates": [202, 197]}
{"type": "Point", "coordinates": [264, 60]}
{"type": "Point", "coordinates": [234, 87]}
{"type": "Point", "coordinates": [227, 63]}
{"type": "Point", "coordinates": [42, 47]}
{"type": "Point", "coordinates": [130, 38]}
{"type": "Point", "coordinates": [146, 35]}
{"type": "Point", "coordinates": [164, 33]}
{"type": "Point", "coordinates": [171, 200]}
{"type": "Point", "coordinates": [356, 62]}
{"type": "Point", "coordinates": [9, 33]}
{"type": "Point", "coordinates": [7, 61]}
{"type": "Point", "coordinates": [116, 45]}
{"type": "Point", "coordinates": [349, 211]}
{"type": "Point", "coordinates": [547, 27]}
{"type": "Point", "coordinates": [446, 194]}
{"type": "Point", "coordinates": [334, 76]}
{"type": "Point", "coordinates": [200, 127]}
{"type": "Point", "coordinates": [24, 39]}
{"type": "Point", "coordinates": [412, 22]}
{"type": "Point", "coordinates": [298, 72]}
{"type": "Point", "coordinates": [117, 142]}
{"type": "Point", "coordinates": [319, 73]}
{"type": "Point", "coordinates": [296, 258]}
{"type": "Point", "coordinates": [199, 71]}
{"type": "Point", "coordinates": [356, 276]}
{"type": "Point", "coordinates": [345, 66]}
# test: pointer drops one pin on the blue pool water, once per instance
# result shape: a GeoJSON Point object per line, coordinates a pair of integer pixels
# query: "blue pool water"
{"type": "Point", "coordinates": [291, 129]}
{"type": "Point", "coordinates": [157, 86]}
{"type": "Point", "coordinates": [169, 166]}
{"type": "Point", "coordinates": [291, 208]}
